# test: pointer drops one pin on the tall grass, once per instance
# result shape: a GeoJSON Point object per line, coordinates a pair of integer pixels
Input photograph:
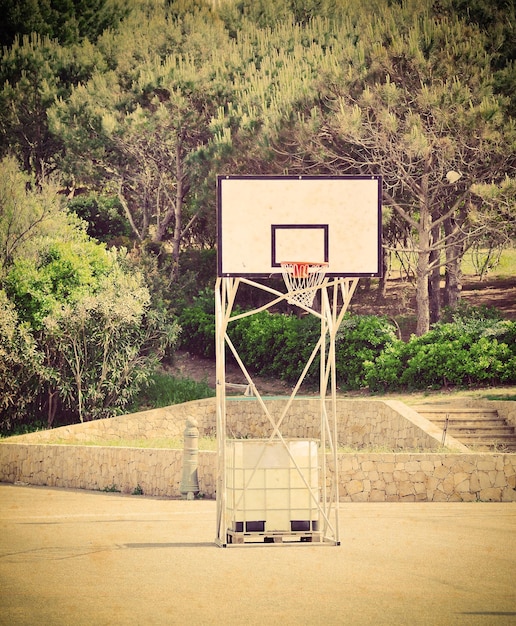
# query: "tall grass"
{"type": "Point", "coordinates": [165, 390]}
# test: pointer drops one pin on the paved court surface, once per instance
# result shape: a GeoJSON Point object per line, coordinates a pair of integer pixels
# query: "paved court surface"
{"type": "Point", "coordinates": [79, 557]}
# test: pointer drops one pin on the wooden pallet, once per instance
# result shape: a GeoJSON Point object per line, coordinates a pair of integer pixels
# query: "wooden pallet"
{"type": "Point", "coordinates": [234, 537]}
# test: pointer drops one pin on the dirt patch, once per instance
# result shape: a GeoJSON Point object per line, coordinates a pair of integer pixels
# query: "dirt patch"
{"type": "Point", "coordinates": [500, 294]}
{"type": "Point", "coordinates": [190, 366]}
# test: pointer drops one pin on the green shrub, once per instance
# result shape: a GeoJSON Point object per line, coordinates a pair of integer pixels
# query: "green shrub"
{"type": "Point", "coordinates": [21, 367]}
{"type": "Point", "coordinates": [360, 340]}
{"type": "Point", "coordinates": [475, 348]}
{"type": "Point", "coordinates": [275, 344]}
{"type": "Point", "coordinates": [198, 326]}
{"type": "Point", "coordinates": [278, 345]}
{"type": "Point", "coordinates": [469, 351]}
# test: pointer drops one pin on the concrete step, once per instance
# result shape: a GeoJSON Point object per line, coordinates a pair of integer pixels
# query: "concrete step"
{"type": "Point", "coordinates": [474, 424]}
{"type": "Point", "coordinates": [490, 431]}
{"type": "Point", "coordinates": [480, 428]}
{"type": "Point", "coordinates": [490, 444]}
{"type": "Point", "coordinates": [458, 413]}
{"type": "Point", "coordinates": [486, 437]}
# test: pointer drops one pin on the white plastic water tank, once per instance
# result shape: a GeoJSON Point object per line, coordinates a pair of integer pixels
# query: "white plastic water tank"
{"type": "Point", "coordinates": [272, 486]}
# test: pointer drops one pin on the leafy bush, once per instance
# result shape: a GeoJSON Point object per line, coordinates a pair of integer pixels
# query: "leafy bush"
{"type": "Point", "coordinates": [475, 348]}
{"type": "Point", "coordinates": [104, 216]}
{"type": "Point", "coordinates": [198, 326]}
{"type": "Point", "coordinates": [465, 312]}
{"type": "Point", "coordinates": [80, 332]}
{"type": "Point", "coordinates": [360, 339]}
{"type": "Point", "coordinates": [278, 345]}
{"type": "Point", "coordinates": [21, 366]}
{"type": "Point", "coordinates": [469, 351]}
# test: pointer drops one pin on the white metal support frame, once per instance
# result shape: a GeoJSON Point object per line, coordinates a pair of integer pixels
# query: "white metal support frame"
{"type": "Point", "coordinates": [336, 295]}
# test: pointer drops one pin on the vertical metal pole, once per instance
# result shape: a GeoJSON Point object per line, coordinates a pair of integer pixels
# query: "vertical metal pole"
{"type": "Point", "coordinates": [334, 411]}
{"type": "Point", "coordinates": [225, 292]}
{"type": "Point", "coordinates": [220, 300]}
{"type": "Point", "coordinates": [324, 417]}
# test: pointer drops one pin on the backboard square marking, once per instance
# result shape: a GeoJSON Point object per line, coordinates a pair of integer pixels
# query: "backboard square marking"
{"type": "Point", "coordinates": [290, 241]}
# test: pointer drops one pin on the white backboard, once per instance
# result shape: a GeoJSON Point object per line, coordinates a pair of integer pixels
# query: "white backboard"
{"type": "Point", "coordinates": [264, 220]}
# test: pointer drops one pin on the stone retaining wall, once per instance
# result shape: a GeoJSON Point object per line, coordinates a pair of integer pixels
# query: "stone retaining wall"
{"type": "Point", "coordinates": [434, 477]}
{"type": "Point", "coordinates": [361, 423]}
{"type": "Point", "coordinates": [399, 477]}
{"type": "Point", "coordinates": [156, 472]}
{"type": "Point", "coordinates": [363, 477]}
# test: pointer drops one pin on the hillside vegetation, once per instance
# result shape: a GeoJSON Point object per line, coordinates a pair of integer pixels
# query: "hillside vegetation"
{"type": "Point", "coordinates": [115, 120]}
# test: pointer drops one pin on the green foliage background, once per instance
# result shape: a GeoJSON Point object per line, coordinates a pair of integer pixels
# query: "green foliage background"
{"type": "Point", "coordinates": [476, 349]}
{"type": "Point", "coordinates": [115, 118]}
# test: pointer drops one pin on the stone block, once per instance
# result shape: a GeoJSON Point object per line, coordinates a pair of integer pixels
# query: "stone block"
{"type": "Point", "coordinates": [354, 487]}
{"type": "Point", "coordinates": [459, 478]}
{"type": "Point", "coordinates": [406, 488]}
{"type": "Point", "coordinates": [492, 494]}
{"type": "Point", "coordinates": [509, 494]}
{"type": "Point", "coordinates": [484, 480]}
{"type": "Point", "coordinates": [391, 489]}
{"type": "Point", "coordinates": [474, 483]}
{"type": "Point", "coordinates": [347, 463]}
{"type": "Point", "coordinates": [500, 479]}
{"type": "Point", "coordinates": [447, 486]}
{"type": "Point", "coordinates": [360, 497]}
{"type": "Point", "coordinates": [386, 467]}
{"type": "Point", "coordinates": [463, 486]}
{"type": "Point", "coordinates": [441, 471]}
{"type": "Point", "coordinates": [400, 476]}
{"type": "Point", "coordinates": [431, 483]}
{"type": "Point", "coordinates": [486, 464]}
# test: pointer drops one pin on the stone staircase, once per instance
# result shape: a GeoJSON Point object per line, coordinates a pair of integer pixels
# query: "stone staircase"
{"type": "Point", "coordinates": [481, 428]}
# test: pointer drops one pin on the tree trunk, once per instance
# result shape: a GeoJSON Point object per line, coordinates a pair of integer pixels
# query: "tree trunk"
{"type": "Point", "coordinates": [174, 213]}
{"type": "Point", "coordinates": [434, 284]}
{"type": "Point", "coordinates": [422, 297]}
{"type": "Point", "coordinates": [454, 253]}
{"type": "Point", "coordinates": [382, 285]}
{"type": "Point", "coordinates": [434, 294]}
{"type": "Point", "coordinates": [176, 240]}
{"type": "Point", "coordinates": [423, 271]}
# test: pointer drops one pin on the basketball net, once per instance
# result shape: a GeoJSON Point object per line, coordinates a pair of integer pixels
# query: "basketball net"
{"type": "Point", "coordinates": [302, 280]}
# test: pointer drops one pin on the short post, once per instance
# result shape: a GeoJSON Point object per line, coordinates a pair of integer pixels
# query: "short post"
{"type": "Point", "coordinates": [189, 487]}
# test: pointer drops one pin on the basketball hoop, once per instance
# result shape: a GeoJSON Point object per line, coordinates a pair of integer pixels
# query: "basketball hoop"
{"type": "Point", "coordinates": [302, 280]}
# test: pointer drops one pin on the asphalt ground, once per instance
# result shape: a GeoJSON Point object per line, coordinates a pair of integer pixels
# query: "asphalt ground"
{"type": "Point", "coordinates": [89, 558]}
